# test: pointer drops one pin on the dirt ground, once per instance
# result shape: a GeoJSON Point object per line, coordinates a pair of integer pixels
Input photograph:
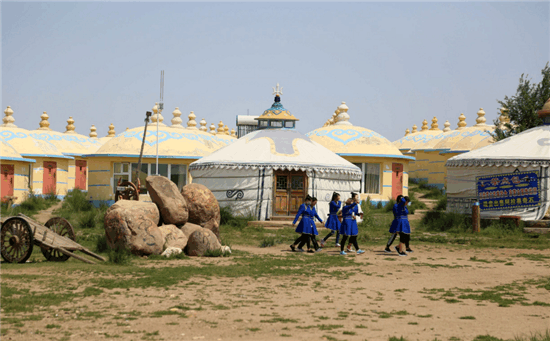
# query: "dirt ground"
{"type": "Point", "coordinates": [389, 296]}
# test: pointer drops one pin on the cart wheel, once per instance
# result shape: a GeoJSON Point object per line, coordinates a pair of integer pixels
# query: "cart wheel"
{"type": "Point", "coordinates": [63, 228]}
{"type": "Point", "coordinates": [130, 193]}
{"type": "Point", "coordinates": [16, 240]}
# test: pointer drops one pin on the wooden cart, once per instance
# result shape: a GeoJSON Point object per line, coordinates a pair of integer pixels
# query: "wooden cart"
{"type": "Point", "coordinates": [56, 240]}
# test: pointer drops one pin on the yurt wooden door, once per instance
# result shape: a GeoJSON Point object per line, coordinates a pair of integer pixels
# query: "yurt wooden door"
{"type": "Point", "coordinates": [80, 176]}
{"type": "Point", "coordinates": [7, 181]}
{"type": "Point", "coordinates": [49, 178]}
{"type": "Point", "coordinates": [290, 190]}
{"type": "Point", "coordinates": [397, 180]}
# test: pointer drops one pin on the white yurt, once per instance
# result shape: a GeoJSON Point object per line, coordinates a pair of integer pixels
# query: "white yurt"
{"type": "Point", "coordinates": [268, 172]}
{"type": "Point", "coordinates": [508, 177]}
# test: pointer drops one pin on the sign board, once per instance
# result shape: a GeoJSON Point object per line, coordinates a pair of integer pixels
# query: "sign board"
{"type": "Point", "coordinates": [508, 191]}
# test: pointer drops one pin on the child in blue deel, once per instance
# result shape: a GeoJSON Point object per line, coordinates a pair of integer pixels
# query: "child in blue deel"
{"type": "Point", "coordinates": [304, 227]}
{"type": "Point", "coordinates": [314, 232]}
{"type": "Point", "coordinates": [401, 225]}
{"type": "Point", "coordinates": [393, 234]}
{"type": "Point", "coordinates": [349, 225]}
{"type": "Point", "coordinates": [332, 222]}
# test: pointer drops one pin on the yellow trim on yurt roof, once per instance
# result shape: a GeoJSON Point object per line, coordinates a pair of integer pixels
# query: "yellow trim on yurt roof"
{"type": "Point", "coordinates": [414, 139]}
{"type": "Point", "coordinates": [466, 139]}
{"type": "Point", "coordinates": [345, 139]}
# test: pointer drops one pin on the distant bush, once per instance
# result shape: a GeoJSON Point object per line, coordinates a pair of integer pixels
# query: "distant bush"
{"type": "Point", "coordinates": [30, 205]}
{"type": "Point", "coordinates": [229, 218]}
{"type": "Point", "coordinates": [101, 243]}
{"type": "Point", "coordinates": [120, 256]}
{"type": "Point", "coordinates": [441, 204]}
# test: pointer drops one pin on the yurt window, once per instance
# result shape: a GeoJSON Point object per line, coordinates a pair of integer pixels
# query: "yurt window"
{"type": "Point", "coordinates": [289, 124]}
{"type": "Point", "coordinates": [263, 123]}
{"type": "Point", "coordinates": [276, 124]}
{"type": "Point", "coordinates": [121, 171]}
{"type": "Point", "coordinates": [163, 169]}
{"type": "Point", "coordinates": [144, 171]}
{"type": "Point", "coordinates": [178, 175]}
{"type": "Point", "coordinates": [372, 178]}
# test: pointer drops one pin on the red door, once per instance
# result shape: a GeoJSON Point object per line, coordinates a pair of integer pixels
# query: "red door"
{"type": "Point", "coordinates": [50, 177]}
{"type": "Point", "coordinates": [80, 176]}
{"type": "Point", "coordinates": [396, 180]}
{"type": "Point", "coordinates": [7, 181]}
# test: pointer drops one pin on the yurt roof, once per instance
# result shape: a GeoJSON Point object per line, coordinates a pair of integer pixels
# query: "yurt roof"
{"type": "Point", "coordinates": [411, 141]}
{"type": "Point", "coordinates": [70, 142]}
{"type": "Point", "coordinates": [431, 137]}
{"type": "Point", "coordinates": [276, 149]}
{"type": "Point", "coordinates": [8, 153]}
{"type": "Point", "coordinates": [346, 139]}
{"type": "Point", "coordinates": [24, 142]}
{"type": "Point", "coordinates": [174, 142]}
{"type": "Point", "coordinates": [468, 138]}
{"type": "Point", "coordinates": [531, 147]}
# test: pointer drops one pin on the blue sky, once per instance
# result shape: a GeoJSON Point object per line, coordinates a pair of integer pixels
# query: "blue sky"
{"type": "Point", "coordinates": [394, 64]}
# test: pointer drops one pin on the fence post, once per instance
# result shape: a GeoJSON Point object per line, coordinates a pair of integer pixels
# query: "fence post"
{"type": "Point", "coordinates": [476, 219]}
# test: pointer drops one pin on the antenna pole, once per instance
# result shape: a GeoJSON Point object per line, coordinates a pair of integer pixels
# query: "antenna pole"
{"type": "Point", "coordinates": [160, 107]}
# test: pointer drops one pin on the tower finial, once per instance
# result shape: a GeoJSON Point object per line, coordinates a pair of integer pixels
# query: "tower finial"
{"type": "Point", "coordinates": [343, 116]}
{"type": "Point", "coordinates": [192, 124]}
{"type": "Point", "coordinates": [176, 120]}
{"type": "Point", "coordinates": [212, 129]}
{"type": "Point", "coordinates": [447, 126]}
{"type": "Point", "coordinates": [70, 126]}
{"type": "Point", "coordinates": [233, 132]}
{"type": "Point", "coordinates": [111, 132]}
{"type": "Point", "coordinates": [157, 114]}
{"type": "Point", "coordinates": [461, 122]}
{"type": "Point", "coordinates": [8, 119]}
{"type": "Point", "coordinates": [93, 133]}
{"type": "Point", "coordinates": [226, 130]}
{"type": "Point", "coordinates": [424, 125]}
{"type": "Point", "coordinates": [415, 129]}
{"type": "Point", "coordinates": [278, 91]}
{"type": "Point", "coordinates": [480, 120]}
{"type": "Point", "coordinates": [44, 124]}
{"type": "Point", "coordinates": [220, 128]}
{"type": "Point", "coordinates": [407, 131]}
{"type": "Point", "coordinates": [435, 126]}
{"type": "Point", "coordinates": [203, 125]}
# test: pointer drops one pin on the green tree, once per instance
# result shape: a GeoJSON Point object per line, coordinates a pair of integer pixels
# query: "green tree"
{"type": "Point", "coordinates": [523, 106]}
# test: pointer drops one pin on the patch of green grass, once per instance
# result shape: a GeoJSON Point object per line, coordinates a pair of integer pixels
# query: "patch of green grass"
{"type": "Point", "coordinates": [467, 318]}
{"type": "Point", "coordinates": [345, 332]}
{"type": "Point", "coordinates": [271, 241]}
{"type": "Point", "coordinates": [120, 256]}
{"type": "Point", "coordinates": [360, 326]}
{"type": "Point", "coordinates": [413, 323]}
{"type": "Point", "coordinates": [425, 316]}
{"type": "Point", "coordinates": [475, 259]}
{"type": "Point", "coordinates": [330, 338]}
{"type": "Point", "coordinates": [286, 335]}
{"type": "Point", "coordinates": [279, 320]}
{"type": "Point", "coordinates": [393, 338]}
{"type": "Point", "coordinates": [161, 313]}
{"type": "Point", "coordinates": [329, 326]}
{"type": "Point", "coordinates": [487, 338]}
{"type": "Point", "coordinates": [254, 329]}
{"type": "Point", "coordinates": [52, 326]}
{"type": "Point", "coordinates": [544, 336]}
{"type": "Point", "coordinates": [533, 257]}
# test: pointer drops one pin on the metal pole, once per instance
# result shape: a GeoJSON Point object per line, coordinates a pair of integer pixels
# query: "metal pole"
{"type": "Point", "coordinates": [476, 219]}
{"type": "Point", "coordinates": [158, 116]}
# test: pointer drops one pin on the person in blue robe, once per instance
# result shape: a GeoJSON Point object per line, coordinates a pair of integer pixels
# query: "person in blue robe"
{"type": "Point", "coordinates": [401, 226]}
{"type": "Point", "coordinates": [393, 234]}
{"type": "Point", "coordinates": [332, 222]}
{"type": "Point", "coordinates": [349, 225]}
{"type": "Point", "coordinates": [314, 231]}
{"type": "Point", "coordinates": [304, 227]}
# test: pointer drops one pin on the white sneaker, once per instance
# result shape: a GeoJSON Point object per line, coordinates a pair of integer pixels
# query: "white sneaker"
{"type": "Point", "coordinates": [338, 245]}
{"type": "Point", "coordinates": [350, 250]}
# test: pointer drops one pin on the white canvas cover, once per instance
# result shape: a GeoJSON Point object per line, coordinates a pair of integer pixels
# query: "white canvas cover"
{"type": "Point", "coordinates": [527, 151]}
{"type": "Point", "coordinates": [241, 174]}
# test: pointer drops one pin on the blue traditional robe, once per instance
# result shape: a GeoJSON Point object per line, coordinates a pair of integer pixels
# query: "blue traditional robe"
{"type": "Point", "coordinates": [305, 224]}
{"type": "Point", "coordinates": [333, 222]}
{"type": "Point", "coordinates": [349, 225]}
{"type": "Point", "coordinates": [401, 221]}
{"type": "Point", "coordinates": [313, 216]}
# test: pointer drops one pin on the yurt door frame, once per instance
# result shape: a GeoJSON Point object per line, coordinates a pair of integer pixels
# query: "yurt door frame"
{"type": "Point", "coordinates": [290, 191]}
{"type": "Point", "coordinates": [396, 180]}
{"type": "Point", "coordinates": [80, 176]}
{"type": "Point", "coordinates": [7, 181]}
{"type": "Point", "coordinates": [49, 179]}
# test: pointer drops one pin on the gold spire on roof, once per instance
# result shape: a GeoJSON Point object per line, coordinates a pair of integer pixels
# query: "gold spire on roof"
{"type": "Point", "coordinates": [192, 124]}
{"type": "Point", "coordinates": [343, 116]}
{"type": "Point", "coordinates": [407, 131]}
{"type": "Point", "coordinates": [435, 126]}
{"type": "Point", "coordinates": [447, 126]}
{"type": "Point", "coordinates": [233, 133]}
{"type": "Point", "coordinates": [424, 125]}
{"type": "Point", "coordinates": [213, 129]}
{"type": "Point", "coordinates": [203, 125]}
{"type": "Point", "coordinates": [93, 133]}
{"type": "Point", "coordinates": [176, 120]}
{"type": "Point", "coordinates": [111, 132]}
{"type": "Point", "coordinates": [503, 118]}
{"type": "Point", "coordinates": [278, 92]}
{"type": "Point", "coordinates": [461, 122]}
{"type": "Point", "coordinates": [226, 130]}
{"type": "Point", "coordinates": [44, 124]}
{"type": "Point", "coordinates": [70, 126]}
{"type": "Point", "coordinates": [8, 119]}
{"type": "Point", "coordinates": [415, 129]}
{"type": "Point", "coordinates": [220, 128]}
{"type": "Point", "coordinates": [480, 120]}
{"type": "Point", "coordinates": [157, 115]}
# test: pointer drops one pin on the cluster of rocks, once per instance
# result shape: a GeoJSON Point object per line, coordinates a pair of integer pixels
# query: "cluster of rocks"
{"type": "Point", "coordinates": [176, 221]}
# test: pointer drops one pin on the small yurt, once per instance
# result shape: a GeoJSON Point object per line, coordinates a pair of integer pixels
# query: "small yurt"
{"type": "Point", "coordinates": [16, 172]}
{"type": "Point", "coordinates": [508, 177]}
{"type": "Point", "coordinates": [384, 168]}
{"type": "Point", "coordinates": [48, 173]}
{"type": "Point", "coordinates": [268, 172]}
{"type": "Point", "coordinates": [178, 146]}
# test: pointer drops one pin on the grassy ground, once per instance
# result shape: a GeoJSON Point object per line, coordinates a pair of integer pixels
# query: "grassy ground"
{"type": "Point", "coordinates": [30, 206]}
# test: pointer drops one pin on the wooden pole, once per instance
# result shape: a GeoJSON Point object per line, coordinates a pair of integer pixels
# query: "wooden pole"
{"type": "Point", "coordinates": [476, 219]}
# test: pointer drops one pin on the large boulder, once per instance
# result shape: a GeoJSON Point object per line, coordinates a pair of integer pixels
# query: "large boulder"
{"type": "Point", "coordinates": [173, 237]}
{"type": "Point", "coordinates": [203, 207]}
{"type": "Point", "coordinates": [164, 193]}
{"type": "Point", "coordinates": [189, 228]}
{"type": "Point", "coordinates": [201, 241]}
{"type": "Point", "coordinates": [132, 225]}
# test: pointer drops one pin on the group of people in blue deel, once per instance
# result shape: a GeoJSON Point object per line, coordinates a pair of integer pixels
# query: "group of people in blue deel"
{"type": "Point", "coordinates": [343, 221]}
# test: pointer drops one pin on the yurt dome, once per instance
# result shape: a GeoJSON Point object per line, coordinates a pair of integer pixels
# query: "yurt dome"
{"type": "Point", "coordinates": [412, 140]}
{"type": "Point", "coordinates": [8, 153]}
{"type": "Point", "coordinates": [26, 143]}
{"type": "Point", "coordinates": [525, 153]}
{"type": "Point", "coordinates": [346, 139]}
{"type": "Point", "coordinates": [430, 138]}
{"type": "Point", "coordinates": [467, 138]}
{"type": "Point", "coordinates": [69, 143]}
{"type": "Point", "coordinates": [268, 172]}
{"type": "Point", "coordinates": [175, 141]}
